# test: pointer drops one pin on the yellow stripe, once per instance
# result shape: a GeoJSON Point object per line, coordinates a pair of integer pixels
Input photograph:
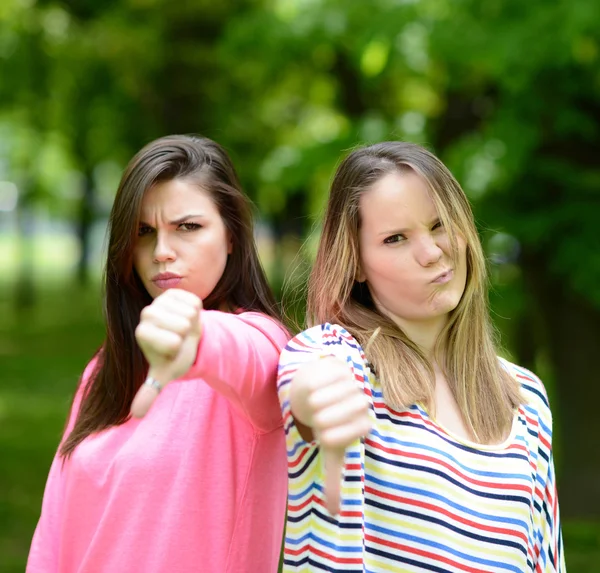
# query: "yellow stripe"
{"type": "Point", "coordinates": [427, 482]}
{"type": "Point", "coordinates": [440, 535]}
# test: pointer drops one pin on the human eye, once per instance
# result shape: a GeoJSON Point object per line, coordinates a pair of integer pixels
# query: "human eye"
{"type": "Point", "coordinates": [437, 225]}
{"type": "Point", "coordinates": [144, 230]}
{"type": "Point", "coordinates": [398, 238]}
{"type": "Point", "coordinates": [189, 226]}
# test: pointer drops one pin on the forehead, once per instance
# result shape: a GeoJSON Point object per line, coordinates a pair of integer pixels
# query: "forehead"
{"type": "Point", "coordinates": [398, 200]}
{"type": "Point", "coordinates": [177, 197]}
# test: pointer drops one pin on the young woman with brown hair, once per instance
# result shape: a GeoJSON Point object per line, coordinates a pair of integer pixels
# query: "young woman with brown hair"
{"type": "Point", "coordinates": [411, 445]}
{"type": "Point", "coordinates": [197, 481]}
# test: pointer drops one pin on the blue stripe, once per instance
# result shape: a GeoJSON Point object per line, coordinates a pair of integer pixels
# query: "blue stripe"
{"type": "Point", "coordinates": [303, 466]}
{"type": "Point", "coordinates": [450, 457]}
{"type": "Point", "coordinates": [431, 495]}
{"type": "Point", "coordinates": [436, 545]}
{"type": "Point", "coordinates": [444, 522]}
{"type": "Point", "coordinates": [450, 442]}
{"type": "Point", "coordinates": [311, 536]}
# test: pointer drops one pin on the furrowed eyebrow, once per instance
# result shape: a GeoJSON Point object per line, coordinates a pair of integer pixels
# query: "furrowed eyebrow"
{"type": "Point", "coordinates": [394, 232]}
{"type": "Point", "coordinates": [185, 218]}
{"type": "Point", "coordinates": [403, 231]}
{"type": "Point", "coordinates": [177, 221]}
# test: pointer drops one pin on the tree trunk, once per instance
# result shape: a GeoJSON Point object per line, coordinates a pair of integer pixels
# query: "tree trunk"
{"type": "Point", "coordinates": [571, 330]}
{"type": "Point", "coordinates": [84, 227]}
{"type": "Point", "coordinates": [25, 292]}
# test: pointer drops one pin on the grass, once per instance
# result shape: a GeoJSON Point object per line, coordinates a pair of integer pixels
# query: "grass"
{"type": "Point", "coordinates": [43, 351]}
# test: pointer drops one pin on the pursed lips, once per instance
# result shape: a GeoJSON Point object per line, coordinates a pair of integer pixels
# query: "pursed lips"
{"type": "Point", "coordinates": [444, 277]}
{"type": "Point", "coordinates": [166, 280]}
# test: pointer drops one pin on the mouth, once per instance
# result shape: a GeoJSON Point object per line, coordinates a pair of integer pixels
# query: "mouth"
{"type": "Point", "coordinates": [166, 280]}
{"type": "Point", "coordinates": [444, 277]}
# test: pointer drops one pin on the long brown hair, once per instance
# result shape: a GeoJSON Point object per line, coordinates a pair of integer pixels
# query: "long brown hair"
{"type": "Point", "coordinates": [121, 366]}
{"type": "Point", "coordinates": [485, 393]}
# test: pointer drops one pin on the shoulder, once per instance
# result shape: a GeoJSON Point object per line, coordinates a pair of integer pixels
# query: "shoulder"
{"type": "Point", "coordinates": [533, 390]}
{"type": "Point", "coordinates": [85, 383]}
{"type": "Point", "coordinates": [327, 337]}
{"type": "Point", "coordinates": [90, 371]}
{"type": "Point", "coordinates": [268, 326]}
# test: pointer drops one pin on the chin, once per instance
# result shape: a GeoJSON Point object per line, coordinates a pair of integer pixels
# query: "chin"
{"type": "Point", "coordinates": [445, 306]}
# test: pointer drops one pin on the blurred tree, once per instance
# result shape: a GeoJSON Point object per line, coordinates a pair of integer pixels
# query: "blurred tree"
{"type": "Point", "coordinates": [506, 92]}
{"type": "Point", "coordinates": [520, 128]}
{"type": "Point", "coordinates": [24, 74]}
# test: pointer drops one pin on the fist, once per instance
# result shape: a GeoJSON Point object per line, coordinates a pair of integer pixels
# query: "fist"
{"type": "Point", "coordinates": [326, 398]}
{"type": "Point", "coordinates": [335, 407]}
{"type": "Point", "coordinates": [168, 334]}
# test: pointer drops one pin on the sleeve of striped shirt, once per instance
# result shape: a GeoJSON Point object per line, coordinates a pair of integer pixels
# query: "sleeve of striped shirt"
{"type": "Point", "coordinates": [551, 558]}
{"type": "Point", "coordinates": [548, 543]}
{"type": "Point", "coordinates": [303, 348]}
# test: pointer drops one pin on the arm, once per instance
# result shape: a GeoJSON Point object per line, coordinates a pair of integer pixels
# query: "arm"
{"type": "Point", "coordinates": [549, 551]}
{"type": "Point", "coordinates": [321, 402]}
{"type": "Point", "coordinates": [548, 548]}
{"type": "Point", "coordinates": [237, 356]}
{"type": "Point", "coordinates": [43, 553]}
{"type": "Point", "coordinates": [302, 350]}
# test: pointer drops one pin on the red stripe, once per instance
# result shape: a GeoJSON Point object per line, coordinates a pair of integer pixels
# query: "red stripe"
{"type": "Point", "coordinates": [424, 505]}
{"type": "Point", "coordinates": [545, 441]}
{"type": "Point", "coordinates": [326, 556]}
{"type": "Point", "coordinates": [529, 378]}
{"type": "Point", "coordinates": [448, 466]}
{"type": "Point", "coordinates": [435, 557]}
{"type": "Point", "coordinates": [380, 405]}
{"type": "Point", "coordinates": [298, 342]}
{"type": "Point", "coordinates": [302, 455]}
{"type": "Point", "coordinates": [321, 503]}
{"type": "Point", "coordinates": [529, 419]}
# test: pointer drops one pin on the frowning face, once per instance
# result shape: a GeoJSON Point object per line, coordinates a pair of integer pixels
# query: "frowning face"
{"type": "Point", "coordinates": [182, 240]}
{"type": "Point", "coordinates": [405, 252]}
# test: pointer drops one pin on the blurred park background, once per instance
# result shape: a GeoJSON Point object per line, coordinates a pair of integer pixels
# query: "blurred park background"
{"type": "Point", "coordinates": [506, 92]}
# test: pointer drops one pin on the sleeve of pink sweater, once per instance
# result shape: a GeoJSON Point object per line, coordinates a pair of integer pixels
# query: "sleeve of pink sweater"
{"type": "Point", "coordinates": [238, 356]}
{"type": "Point", "coordinates": [43, 555]}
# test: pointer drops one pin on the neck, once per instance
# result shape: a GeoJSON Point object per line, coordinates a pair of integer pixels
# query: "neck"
{"type": "Point", "coordinates": [424, 334]}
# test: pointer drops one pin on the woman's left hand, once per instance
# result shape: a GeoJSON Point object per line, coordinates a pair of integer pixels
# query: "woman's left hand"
{"type": "Point", "coordinates": [168, 334]}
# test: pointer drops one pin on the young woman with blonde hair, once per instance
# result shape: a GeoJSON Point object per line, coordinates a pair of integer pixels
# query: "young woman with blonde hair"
{"type": "Point", "coordinates": [411, 445]}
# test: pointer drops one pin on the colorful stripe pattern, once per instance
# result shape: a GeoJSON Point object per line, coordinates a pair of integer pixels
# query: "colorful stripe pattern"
{"type": "Point", "coordinates": [415, 497]}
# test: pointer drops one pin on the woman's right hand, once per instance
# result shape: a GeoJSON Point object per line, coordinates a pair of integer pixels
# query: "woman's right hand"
{"type": "Point", "coordinates": [168, 334]}
{"type": "Point", "coordinates": [326, 398]}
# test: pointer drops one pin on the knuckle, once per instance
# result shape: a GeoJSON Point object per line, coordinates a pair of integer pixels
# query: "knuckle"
{"type": "Point", "coordinates": [327, 439]}
{"type": "Point", "coordinates": [173, 343]}
{"type": "Point", "coordinates": [313, 402]}
{"type": "Point", "coordinates": [190, 313]}
{"type": "Point", "coordinates": [320, 421]}
{"type": "Point", "coordinates": [363, 403]}
{"type": "Point", "coordinates": [141, 332]}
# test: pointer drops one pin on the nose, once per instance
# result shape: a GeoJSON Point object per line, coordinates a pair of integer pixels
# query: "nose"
{"type": "Point", "coordinates": [163, 251]}
{"type": "Point", "coordinates": [427, 251]}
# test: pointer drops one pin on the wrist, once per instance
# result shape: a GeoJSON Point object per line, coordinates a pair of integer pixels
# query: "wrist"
{"type": "Point", "coordinates": [158, 374]}
{"type": "Point", "coordinates": [300, 390]}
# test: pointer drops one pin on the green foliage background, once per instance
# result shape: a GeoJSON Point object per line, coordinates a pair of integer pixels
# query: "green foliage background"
{"type": "Point", "coordinates": [506, 92]}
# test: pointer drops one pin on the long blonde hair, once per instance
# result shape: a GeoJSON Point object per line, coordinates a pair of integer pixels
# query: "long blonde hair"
{"type": "Point", "coordinates": [485, 393]}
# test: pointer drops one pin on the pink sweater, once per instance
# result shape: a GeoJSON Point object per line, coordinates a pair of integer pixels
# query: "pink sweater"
{"type": "Point", "coordinates": [198, 485]}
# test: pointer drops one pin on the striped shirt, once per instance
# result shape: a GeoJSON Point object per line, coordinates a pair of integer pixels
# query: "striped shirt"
{"type": "Point", "coordinates": [415, 497]}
